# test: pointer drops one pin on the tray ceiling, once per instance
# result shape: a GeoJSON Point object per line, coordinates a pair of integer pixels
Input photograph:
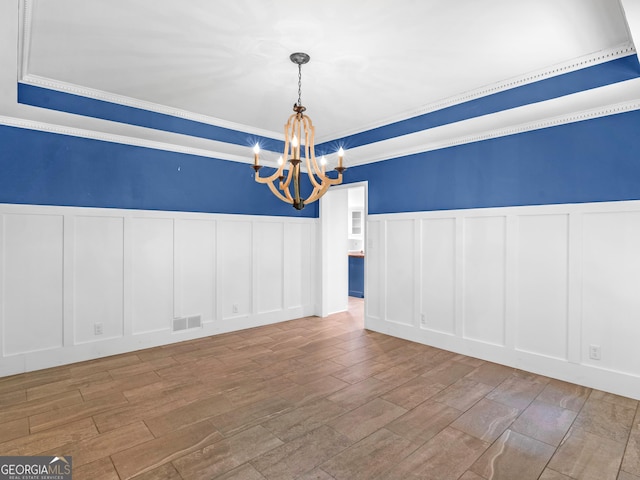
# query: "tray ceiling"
{"type": "Point", "coordinates": [371, 62]}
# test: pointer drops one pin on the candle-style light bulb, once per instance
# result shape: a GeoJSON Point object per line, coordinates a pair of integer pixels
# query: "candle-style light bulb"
{"type": "Point", "coordinates": [340, 156]}
{"type": "Point", "coordinates": [294, 141]}
{"type": "Point", "coordinates": [323, 162]}
{"type": "Point", "coordinates": [256, 153]}
{"type": "Point", "coordinates": [281, 176]}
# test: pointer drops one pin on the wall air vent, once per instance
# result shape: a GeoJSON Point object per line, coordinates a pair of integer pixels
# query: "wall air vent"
{"type": "Point", "coordinates": [187, 323]}
{"type": "Point", "coordinates": [194, 321]}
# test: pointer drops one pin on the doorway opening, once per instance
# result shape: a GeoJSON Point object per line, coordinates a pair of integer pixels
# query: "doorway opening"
{"type": "Point", "coordinates": [343, 220]}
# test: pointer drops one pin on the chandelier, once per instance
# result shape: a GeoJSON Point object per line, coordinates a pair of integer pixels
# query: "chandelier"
{"type": "Point", "coordinates": [299, 147]}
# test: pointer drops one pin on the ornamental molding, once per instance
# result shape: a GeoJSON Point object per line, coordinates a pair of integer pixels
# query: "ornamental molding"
{"type": "Point", "coordinates": [114, 138]}
{"type": "Point", "coordinates": [424, 147]}
{"type": "Point", "coordinates": [48, 83]}
{"type": "Point", "coordinates": [573, 65]}
{"type": "Point", "coordinates": [26, 16]}
{"type": "Point", "coordinates": [428, 146]}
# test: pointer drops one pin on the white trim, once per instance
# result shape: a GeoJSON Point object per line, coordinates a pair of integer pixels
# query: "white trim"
{"type": "Point", "coordinates": [583, 325]}
{"type": "Point", "coordinates": [595, 58]}
{"type": "Point", "coordinates": [120, 139]}
{"type": "Point", "coordinates": [575, 64]}
{"type": "Point", "coordinates": [550, 122]}
{"type": "Point", "coordinates": [552, 208]}
{"type": "Point", "coordinates": [76, 348]}
{"type": "Point", "coordinates": [24, 53]}
{"type": "Point", "coordinates": [427, 146]}
{"type": "Point", "coordinates": [366, 158]}
{"type": "Point", "coordinates": [60, 86]}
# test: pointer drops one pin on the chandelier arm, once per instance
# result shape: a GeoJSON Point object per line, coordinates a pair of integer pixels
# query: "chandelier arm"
{"type": "Point", "coordinates": [270, 178]}
{"type": "Point", "coordinates": [275, 191]}
{"type": "Point", "coordinates": [288, 130]}
{"type": "Point", "coordinates": [317, 193]}
{"type": "Point", "coordinates": [313, 195]}
{"type": "Point", "coordinates": [311, 139]}
{"type": "Point", "coordinates": [310, 156]}
{"type": "Point", "coordinates": [310, 173]}
{"type": "Point", "coordinates": [295, 153]}
{"type": "Point", "coordinates": [316, 170]}
{"type": "Point", "coordinates": [312, 177]}
{"type": "Point", "coordinates": [314, 162]}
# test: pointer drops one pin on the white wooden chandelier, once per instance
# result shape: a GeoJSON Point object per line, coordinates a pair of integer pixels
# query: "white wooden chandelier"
{"type": "Point", "coordinates": [298, 132]}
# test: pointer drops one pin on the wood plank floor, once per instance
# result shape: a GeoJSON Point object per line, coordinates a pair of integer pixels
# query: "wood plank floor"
{"type": "Point", "coordinates": [316, 399]}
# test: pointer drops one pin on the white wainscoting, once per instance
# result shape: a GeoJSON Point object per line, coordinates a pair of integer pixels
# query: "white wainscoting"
{"type": "Point", "coordinates": [131, 272]}
{"type": "Point", "coordinates": [531, 287]}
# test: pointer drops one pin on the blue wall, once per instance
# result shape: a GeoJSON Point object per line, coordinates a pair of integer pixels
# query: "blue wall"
{"type": "Point", "coordinates": [51, 169]}
{"type": "Point", "coordinates": [91, 107]}
{"type": "Point", "coordinates": [590, 161]}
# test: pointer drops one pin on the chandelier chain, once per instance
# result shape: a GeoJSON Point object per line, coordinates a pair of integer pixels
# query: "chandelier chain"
{"type": "Point", "coordinates": [299, 84]}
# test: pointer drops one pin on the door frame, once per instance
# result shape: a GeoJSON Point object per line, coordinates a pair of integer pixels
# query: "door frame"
{"type": "Point", "coordinates": [323, 304]}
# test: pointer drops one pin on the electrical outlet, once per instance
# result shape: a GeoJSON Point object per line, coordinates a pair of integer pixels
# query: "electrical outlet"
{"type": "Point", "coordinates": [423, 320]}
{"type": "Point", "coordinates": [594, 352]}
{"type": "Point", "coordinates": [234, 308]}
{"type": "Point", "coordinates": [97, 328]}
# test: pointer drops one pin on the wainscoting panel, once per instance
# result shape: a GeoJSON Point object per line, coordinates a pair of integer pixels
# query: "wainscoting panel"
{"type": "Point", "coordinates": [484, 279]}
{"type": "Point", "coordinates": [542, 284]}
{"type": "Point", "coordinates": [611, 290]}
{"type": "Point", "coordinates": [81, 283]}
{"type": "Point", "coordinates": [298, 243]}
{"type": "Point", "coordinates": [438, 270]}
{"type": "Point", "coordinates": [98, 278]}
{"type": "Point", "coordinates": [196, 266]}
{"type": "Point", "coordinates": [32, 294]}
{"type": "Point", "coordinates": [152, 274]}
{"type": "Point", "coordinates": [373, 270]}
{"type": "Point", "coordinates": [269, 262]}
{"type": "Point", "coordinates": [548, 289]}
{"type": "Point", "coordinates": [400, 267]}
{"type": "Point", "coordinates": [235, 268]}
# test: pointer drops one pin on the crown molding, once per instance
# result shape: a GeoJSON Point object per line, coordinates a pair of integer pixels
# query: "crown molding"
{"type": "Point", "coordinates": [575, 64]}
{"type": "Point", "coordinates": [26, 12]}
{"type": "Point", "coordinates": [95, 94]}
{"type": "Point", "coordinates": [428, 146]}
{"type": "Point", "coordinates": [121, 139]}
{"type": "Point", "coordinates": [380, 150]}
{"type": "Point", "coordinates": [538, 125]}
{"type": "Point", "coordinates": [425, 146]}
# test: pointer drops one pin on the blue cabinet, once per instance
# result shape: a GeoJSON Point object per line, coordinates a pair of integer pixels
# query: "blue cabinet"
{"type": "Point", "coordinates": [356, 276]}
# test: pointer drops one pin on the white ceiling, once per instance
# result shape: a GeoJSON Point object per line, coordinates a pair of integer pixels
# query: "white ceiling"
{"type": "Point", "coordinates": [372, 61]}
